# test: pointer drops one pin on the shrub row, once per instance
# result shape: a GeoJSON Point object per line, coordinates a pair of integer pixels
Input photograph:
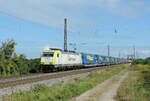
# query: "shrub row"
{"type": "Point", "coordinates": [13, 64]}
{"type": "Point", "coordinates": [142, 61]}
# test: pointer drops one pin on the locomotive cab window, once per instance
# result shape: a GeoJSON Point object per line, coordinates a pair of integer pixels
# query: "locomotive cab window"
{"type": "Point", "coordinates": [51, 54]}
{"type": "Point", "coordinates": [57, 55]}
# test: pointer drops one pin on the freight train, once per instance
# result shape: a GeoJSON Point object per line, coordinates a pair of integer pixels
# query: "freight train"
{"type": "Point", "coordinates": [57, 59]}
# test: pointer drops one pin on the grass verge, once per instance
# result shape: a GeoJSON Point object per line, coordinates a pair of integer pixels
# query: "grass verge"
{"type": "Point", "coordinates": [64, 91]}
{"type": "Point", "coordinates": [136, 87]}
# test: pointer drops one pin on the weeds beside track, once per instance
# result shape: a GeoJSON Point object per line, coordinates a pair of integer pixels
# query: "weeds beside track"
{"type": "Point", "coordinates": [136, 87]}
{"type": "Point", "coordinates": [64, 91]}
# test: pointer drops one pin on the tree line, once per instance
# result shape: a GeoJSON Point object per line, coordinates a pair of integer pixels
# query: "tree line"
{"type": "Point", "coordinates": [13, 64]}
{"type": "Point", "coordinates": [142, 61]}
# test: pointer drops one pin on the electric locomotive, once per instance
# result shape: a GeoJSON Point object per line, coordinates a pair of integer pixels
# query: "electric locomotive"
{"type": "Point", "coordinates": [56, 59]}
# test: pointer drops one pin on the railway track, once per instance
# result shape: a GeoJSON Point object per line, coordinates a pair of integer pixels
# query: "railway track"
{"type": "Point", "coordinates": [25, 79]}
{"type": "Point", "coordinates": [26, 82]}
{"type": "Point", "coordinates": [32, 78]}
{"type": "Point", "coordinates": [19, 77]}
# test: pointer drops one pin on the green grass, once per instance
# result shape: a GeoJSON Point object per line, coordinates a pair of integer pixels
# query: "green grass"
{"type": "Point", "coordinates": [64, 91]}
{"type": "Point", "coordinates": [136, 87]}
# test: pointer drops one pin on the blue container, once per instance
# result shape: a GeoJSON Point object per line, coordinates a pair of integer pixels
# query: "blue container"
{"type": "Point", "coordinates": [98, 61]}
{"type": "Point", "coordinates": [118, 60]}
{"type": "Point", "coordinates": [113, 59]}
{"type": "Point", "coordinates": [89, 59]}
{"type": "Point", "coordinates": [110, 60]}
{"type": "Point", "coordinates": [105, 59]}
{"type": "Point", "coordinates": [101, 59]}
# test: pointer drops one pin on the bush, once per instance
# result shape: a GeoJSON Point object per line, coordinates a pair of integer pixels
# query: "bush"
{"type": "Point", "coordinates": [34, 65]}
{"type": "Point", "coordinates": [136, 87]}
{"type": "Point", "coordinates": [141, 61]}
{"type": "Point", "coordinates": [13, 64]}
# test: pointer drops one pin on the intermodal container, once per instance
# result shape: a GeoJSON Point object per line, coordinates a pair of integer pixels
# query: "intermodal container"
{"type": "Point", "coordinates": [89, 59]}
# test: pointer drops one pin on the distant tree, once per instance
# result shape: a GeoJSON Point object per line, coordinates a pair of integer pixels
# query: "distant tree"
{"type": "Point", "coordinates": [6, 52]}
{"type": "Point", "coordinates": [21, 63]}
{"type": "Point", "coordinates": [13, 64]}
{"type": "Point", "coordinates": [148, 58]}
{"type": "Point", "coordinates": [7, 49]}
{"type": "Point", "coordinates": [34, 65]}
{"type": "Point", "coordinates": [142, 61]}
{"type": "Point", "coordinates": [137, 61]}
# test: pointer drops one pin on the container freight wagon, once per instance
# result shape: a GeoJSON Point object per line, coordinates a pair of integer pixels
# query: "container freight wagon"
{"type": "Point", "coordinates": [115, 60]}
{"type": "Point", "coordinates": [89, 59]}
{"type": "Point", "coordinates": [100, 60]}
{"type": "Point", "coordinates": [103, 60]}
{"type": "Point", "coordinates": [118, 61]}
{"type": "Point", "coordinates": [94, 60]}
{"type": "Point", "coordinates": [107, 60]}
{"type": "Point", "coordinates": [112, 60]}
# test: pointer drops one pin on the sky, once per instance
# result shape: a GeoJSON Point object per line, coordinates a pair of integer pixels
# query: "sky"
{"type": "Point", "coordinates": [92, 25]}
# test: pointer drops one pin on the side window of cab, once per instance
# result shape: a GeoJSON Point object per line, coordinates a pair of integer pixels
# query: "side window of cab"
{"type": "Point", "coordinates": [57, 55]}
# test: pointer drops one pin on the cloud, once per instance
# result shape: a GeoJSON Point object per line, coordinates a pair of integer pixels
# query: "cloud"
{"type": "Point", "coordinates": [52, 12]}
{"type": "Point", "coordinates": [125, 8]}
{"type": "Point", "coordinates": [32, 10]}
